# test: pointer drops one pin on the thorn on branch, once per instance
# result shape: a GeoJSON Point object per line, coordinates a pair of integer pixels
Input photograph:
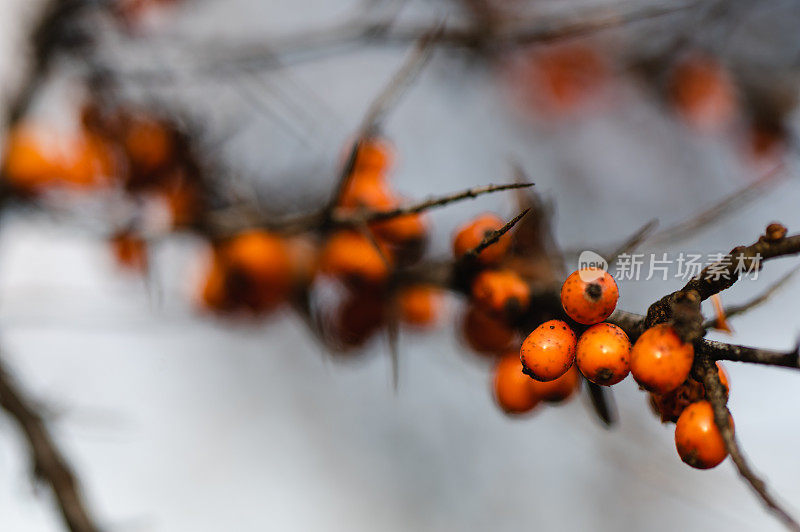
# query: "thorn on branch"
{"type": "Point", "coordinates": [492, 238]}
{"type": "Point", "coordinates": [348, 218]}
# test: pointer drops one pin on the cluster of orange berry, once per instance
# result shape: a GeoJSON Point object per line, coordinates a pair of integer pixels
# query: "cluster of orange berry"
{"type": "Point", "coordinates": [140, 154]}
{"type": "Point", "coordinates": [258, 270]}
{"type": "Point", "coordinates": [659, 361]}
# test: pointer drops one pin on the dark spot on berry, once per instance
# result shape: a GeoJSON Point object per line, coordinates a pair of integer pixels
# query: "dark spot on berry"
{"type": "Point", "coordinates": [594, 291]}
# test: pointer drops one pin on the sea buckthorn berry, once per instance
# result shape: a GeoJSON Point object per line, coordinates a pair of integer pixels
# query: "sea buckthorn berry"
{"type": "Point", "coordinates": [421, 305]}
{"type": "Point", "coordinates": [703, 93]}
{"type": "Point", "coordinates": [697, 438]}
{"type": "Point", "coordinates": [405, 229]}
{"type": "Point", "coordinates": [549, 351]}
{"type": "Point", "coordinates": [513, 390]}
{"type": "Point", "coordinates": [557, 390]}
{"type": "Point", "coordinates": [374, 155]}
{"type": "Point", "coordinates": [354, 258]}
{"type": "Point", "coordinates": [367, 191]}
{"type": "Point", "coordinates": [27, 164]}
{"type": "Point", "coordinates": [670, 405]}
{"type": "Point", "coordinates": [259, 271]}
{"type": "Point", "coordinates": [660, 361]}
{"type": "Point", "coordinates": [130, 251]}
{"type": "Point", "coordinates": [603, 353]}
{"type": "Point", "coordinates": [589, 295]}
{"type": "Point", "coordinates": [501, 292]}
{"type": "Point", "coordinates": [470, 235]}
{"type": "Point", "coordinates": [486, 333]}
{"type": "Point", "coordinates": [35, 158]}
{"type": "Point", "coordinates": [356, 320]}
{"type": "Point", "coordinates": [148, 144]}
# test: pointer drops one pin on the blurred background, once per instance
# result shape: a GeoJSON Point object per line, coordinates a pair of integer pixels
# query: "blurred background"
{"type": "Point", "coordinates": [177, 420]}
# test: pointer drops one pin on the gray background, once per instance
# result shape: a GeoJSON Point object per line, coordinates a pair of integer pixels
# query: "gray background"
{"type": "Point", "coordinates": [179, 422]}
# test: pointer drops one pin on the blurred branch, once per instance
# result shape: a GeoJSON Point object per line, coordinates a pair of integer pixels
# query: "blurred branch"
{"type": "Point", "coordinates": [279, 53]}
{"type": "Point", "coordinates": [347, 218]}
{"type": "Point", "coordinates": [380, 106]}
{"type": "Point", "coordinates": [735, 310]}
{"type": "Point", "coordinates": [48, 462]}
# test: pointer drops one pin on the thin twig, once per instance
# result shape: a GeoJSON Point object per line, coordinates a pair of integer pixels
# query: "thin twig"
{"type": "Point", "coordinates": [380, 106]}
{"type": "Point", "coordinates": [717, 395]}
{"type": "Point", "coordinates": [735, 310]}
{"type": "Point", "coordinates": [493, 237]}
{"type": "Point", "coordinates": [725, 207]}
{"type": "Point", "coordinates": [49, 464]}
{"type": "Point", "coordinates": [347, 217]}
{"type": "Point", "coordinates": [304, 46]}
{"type": "Point", "coordinates": [633, 241]}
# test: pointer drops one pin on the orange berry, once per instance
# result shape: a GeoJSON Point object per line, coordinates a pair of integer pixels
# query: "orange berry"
{"type": "Point", "coordinates": [501, 292]}
{"type": "Point", "coordinates": [602, 354]}
{"type": "Point", "coordinates": [367, 191]}
{"type": "Point", "coordinates": [660, 361]}
{"type": "Point", "coordinates": [353, 257]}
{"type": "Point", "coordinates": [90, 163]}
{"type": "Point", "coordinates": [420, 305]}
{"type": "Point", "coordinates": [374, 155]}
{"type": "Point", "coordinates": [589, 295]}
{"type": "Point", "coordinates": [486, 333]}
{"type": "Point", "coordinates": [357, 319]}
{"type": "Point", "coordinates": [469, 235]}
{"type": "Point", "coordinates": [130, 251]}
{"type": "Point", "coordinates": [557, 390]}
{"type": "Point", "coordinates": [697, 438]}
{"type": "Point", "coordinates": [703, 93]}
{"type": "Point", "coordinates": [549, 351]}
{"type": "Point", "coordinates": [259, 271]}
{"type": "Point", "coordinates": [148, 144]}
{"type": "Point", "coordinates": [564, 78]}
{"type": "Point", "coordinates": [36, 159]}
{"type": "Point", "coordinates": [27, 164]}
{"type": "Point", "coordinates": [670, 405]}
{"type": "Point", "coordinates": [513, 390]}
{"type": "Point", "coordinates": [402, 229]}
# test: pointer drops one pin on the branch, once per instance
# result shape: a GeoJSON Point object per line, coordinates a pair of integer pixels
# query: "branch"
{"type": "Point", "coordinates": [740, 353]}
{"type": "Point", "coordinates": [380, 106]}
{"type": "Point", "coordinates": [346, 217]}
{"type": "Point", "coordinates": [536, 30]}
{"type": "Point", "coordinates": [493, 237]}
{"type": "Point", "coordinates": [723, 274]}
{"type": "Point", "coordinates": [633, 241]}
{"type": "Point", "coordinates": [735, 310]}
{"type": "Point", "coordinates": [716, 394]}
{"type": "Point", "coordinates": [722, 208]}
{"type": "Point", "coordinates": [49, 464]}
